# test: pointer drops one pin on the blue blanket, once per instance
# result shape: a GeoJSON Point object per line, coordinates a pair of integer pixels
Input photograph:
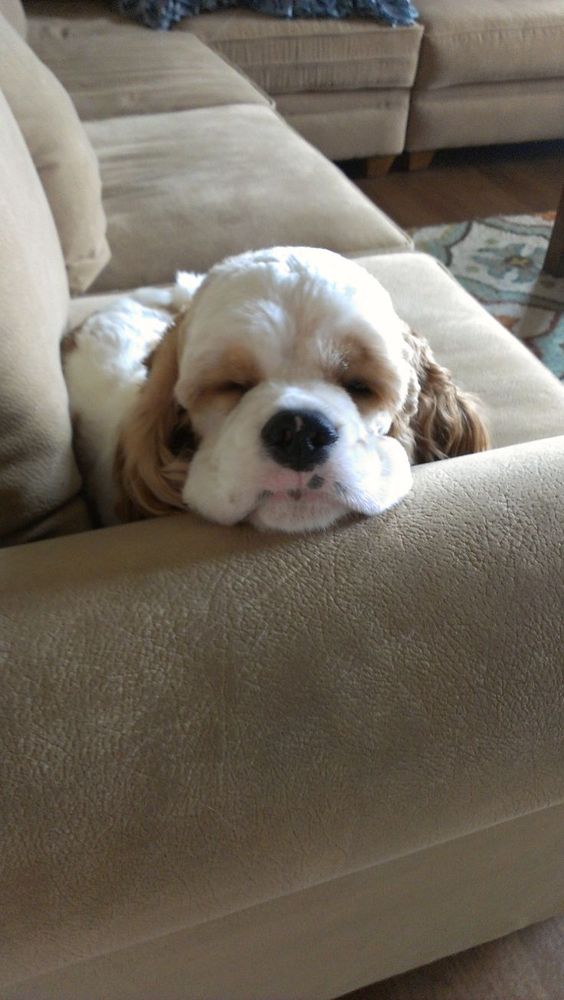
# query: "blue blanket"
{"type": "Point", "coordinates": [165, 13]}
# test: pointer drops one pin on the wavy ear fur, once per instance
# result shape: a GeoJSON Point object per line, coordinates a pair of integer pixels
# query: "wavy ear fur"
{"type": "Point", "coordinates": [156, 442]}
{"type": "Point", "coordinates": [443, 420]}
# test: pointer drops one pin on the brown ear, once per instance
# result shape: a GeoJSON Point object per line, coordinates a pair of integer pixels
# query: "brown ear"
{"type": "Point", "coordinates": [444, 422]}
{"type": "Point", "coordinates": [156, 442]}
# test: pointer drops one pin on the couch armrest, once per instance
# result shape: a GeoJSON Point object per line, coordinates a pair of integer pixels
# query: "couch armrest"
{"type": "Point", "coordinates": [197, 718]}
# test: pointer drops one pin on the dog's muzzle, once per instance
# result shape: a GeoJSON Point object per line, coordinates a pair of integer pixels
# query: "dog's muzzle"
{"type": "Point", "coordinates": [299, 439]}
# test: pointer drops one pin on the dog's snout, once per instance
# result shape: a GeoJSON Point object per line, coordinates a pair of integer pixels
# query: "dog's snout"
{"type": "Point", "coordinates": [298, 439]}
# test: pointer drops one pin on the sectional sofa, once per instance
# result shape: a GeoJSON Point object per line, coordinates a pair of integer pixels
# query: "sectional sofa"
{"type": "Point", "coordinates": [467, 74]}
{"type": "Point", "coordinates": [235, 765]}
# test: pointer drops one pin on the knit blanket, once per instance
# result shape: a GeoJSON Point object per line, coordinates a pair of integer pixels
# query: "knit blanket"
{"type": "Point", "coordinates": [164, 14]}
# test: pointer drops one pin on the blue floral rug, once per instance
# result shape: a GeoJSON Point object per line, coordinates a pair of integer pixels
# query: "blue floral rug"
{"type": "Point", "coordinates": [499, 262]}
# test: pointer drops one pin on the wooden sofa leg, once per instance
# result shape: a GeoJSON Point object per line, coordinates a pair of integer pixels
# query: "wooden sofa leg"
{"type": "Point", "coordinates": [378, 166]}
{"type": "Point", "coordinates": [554, 260]}
{"type": "Point", "coordinates": [420, 159]}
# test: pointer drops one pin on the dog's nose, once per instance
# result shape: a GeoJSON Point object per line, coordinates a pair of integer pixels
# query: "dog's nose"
{"type": "Point", "coordinates": [299, 439]}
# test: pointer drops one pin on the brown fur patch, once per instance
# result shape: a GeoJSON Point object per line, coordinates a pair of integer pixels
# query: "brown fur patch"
{"type": "Point", "coordinates": [222, 384]}
{"type": "Point", "coordinates": [68, 343]}
{"type": "Point", "coordinates": [350, 360]}
{"type": "Point", "coordinates": [439, 420]}
{"type": "Point", "coordinates": [156, 443]}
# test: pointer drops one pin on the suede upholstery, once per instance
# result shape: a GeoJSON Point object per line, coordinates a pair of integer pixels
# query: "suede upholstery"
{"type": "Point", "coordinates": [62, 155]}
{"type": "Point", "coordinates": [490, 41]}
{"type": "Point", "coordinates": [473, 114]}
{"type": "Point", "coordinates": [14, 13]}
{"type": "Point", "coordinates": [291, 56]}
{"type": "Point", "coordinates": [489, 72]}
{"type": "Point", "coordinates": [136, 72]}
{"type": "Point", "coordinates": [37, 470]}
{"type": "Point", "coordinates": [354, 88]}
{"type": "Point", "coordinates": [360, 120]}
{"type": "Point", "coordinates": [170, 205]}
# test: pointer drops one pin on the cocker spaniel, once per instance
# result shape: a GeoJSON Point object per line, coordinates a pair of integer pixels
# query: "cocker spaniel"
{"type": "Point", "coordinates": [281, 389]}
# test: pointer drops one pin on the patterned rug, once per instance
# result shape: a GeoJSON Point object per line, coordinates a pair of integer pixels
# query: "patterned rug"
{"type": "Point", "coordinates": [499, 262]}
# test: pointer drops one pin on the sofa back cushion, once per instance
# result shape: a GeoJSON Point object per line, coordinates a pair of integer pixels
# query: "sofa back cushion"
{"type": "Point", "coordinates": [13, 11]}
{"type": "Point", "coordinates": [38, 476]}
{"type": "Point", "coordinates": [62, 154]}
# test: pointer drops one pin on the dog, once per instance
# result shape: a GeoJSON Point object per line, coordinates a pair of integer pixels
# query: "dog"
{"type": "Point", "coordinates": [280, 389]}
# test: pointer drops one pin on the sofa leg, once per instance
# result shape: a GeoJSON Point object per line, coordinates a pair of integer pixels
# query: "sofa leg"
{"type": "Point", "coordinates": [554, 260]}
{"type": "Point", "coordinates": [420, 159]}
{"type": "Point", "coordinates": [378, 166]}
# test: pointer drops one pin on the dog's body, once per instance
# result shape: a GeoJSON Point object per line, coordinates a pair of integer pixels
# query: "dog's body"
{"type": "Point", "coordinates": [105, 364]}
{"type": "Point", "coordinates": [280, 389]}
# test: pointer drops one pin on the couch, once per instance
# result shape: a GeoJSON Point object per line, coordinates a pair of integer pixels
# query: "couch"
{"type": "Point", "coordinates": [467, 74]}
{"type": "Point", "coordinates": [236, 765]}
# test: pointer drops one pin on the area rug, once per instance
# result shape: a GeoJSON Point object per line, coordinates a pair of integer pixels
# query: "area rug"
{"type": "Point", "coordinates": [499, 261]}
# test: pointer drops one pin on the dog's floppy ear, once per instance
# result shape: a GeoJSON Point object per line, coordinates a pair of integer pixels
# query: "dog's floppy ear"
{"type": "Point", "coordinates": [444, 421]}
{"type": "Point", "coordinates": [156, 442]}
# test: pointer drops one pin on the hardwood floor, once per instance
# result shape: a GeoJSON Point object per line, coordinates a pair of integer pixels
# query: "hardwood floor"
{"type": "Point", "coordinates": [468, 184]}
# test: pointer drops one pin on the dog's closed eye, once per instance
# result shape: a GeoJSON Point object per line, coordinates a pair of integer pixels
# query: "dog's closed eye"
{"type": "Point", "coordinates": [356, 387]}
{"type": "Point", "coordinates": [231, 386]}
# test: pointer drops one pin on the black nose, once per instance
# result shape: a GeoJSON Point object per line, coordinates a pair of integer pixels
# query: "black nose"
{"type": "Point", "coordinates": [298, 439]}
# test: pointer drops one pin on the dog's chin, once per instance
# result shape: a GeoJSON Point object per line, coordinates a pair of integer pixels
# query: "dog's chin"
{"type": "Point", "coordinates": [273, 498]}
{"type": "Point", "coordinates": [279, 512]}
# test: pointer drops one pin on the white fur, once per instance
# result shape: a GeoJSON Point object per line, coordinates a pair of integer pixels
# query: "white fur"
{"type": "Point", "coordinates": [230, 474]}
{"type": "Point", "coordinates": [285, 306]}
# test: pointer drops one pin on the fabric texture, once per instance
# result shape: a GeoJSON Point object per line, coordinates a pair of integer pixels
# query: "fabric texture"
{"type": "Point", "coordinates": [482, 113]}
{"type": "Point", "coordinates": [62, 154]}
{"type": "Point", "coordinates": [178, 694]}
{"type": "Point", "coordinates": [38, 476]}
{"type": "Point", "coordinates": [297, 56]}
{"type": "Point", "coordinates": [183, 190]}
{"type": "Point", "coordinates": [165, 13]}
{"type": "Point", "coordinates": [137, 72]}
{"type": "Point", "coordinates": [322, 942]}
{"type": "Point", "coordinates": [344, 124]}
{"type": "Point", "coordinates": [14, 13]}
{"type": "Point", "coordinates": [489, 41]}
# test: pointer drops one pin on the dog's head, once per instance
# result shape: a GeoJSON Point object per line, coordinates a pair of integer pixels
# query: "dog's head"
{"type": "Point", "coordinates": [288, 393]}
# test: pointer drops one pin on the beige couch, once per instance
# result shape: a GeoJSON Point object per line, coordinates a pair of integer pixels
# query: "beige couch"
{"type": "Point", "coordinates": [238, 766]}
{"type": "Point", "coordinates": [468, 74]}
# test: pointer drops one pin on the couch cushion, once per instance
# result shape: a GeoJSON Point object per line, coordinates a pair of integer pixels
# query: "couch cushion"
{"type": "Point", "coordinates": [13, 11]}
{"type": "Point", "coordinates": [138, 72]}
{"type": "Point", "coordinates": [281, 55]}
{"type": "Point", "coordinates": [185, 189]}
{"type": "Point", "coordinates": [475, 114]}
{"type": "Point", "coordinates": [62, 155]}
{"type": "Point", "coordinates": [490, 40]}
{"type": "Point", "coordinates": [285, 56]}
{"type": "Point", "coordinates": [38, 476]}
{"type": "Point", "coordinates": [349, 123]}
